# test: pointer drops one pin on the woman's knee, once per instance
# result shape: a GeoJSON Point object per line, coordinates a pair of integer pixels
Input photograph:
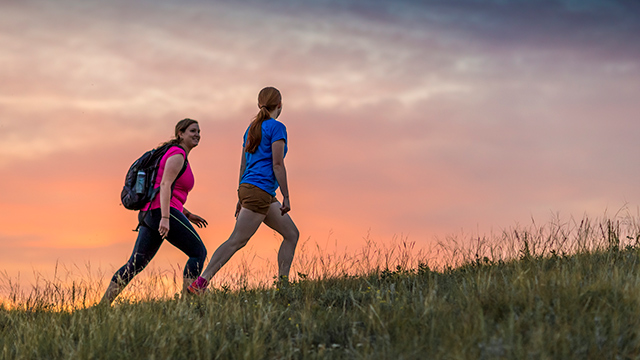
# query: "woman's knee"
{"type": "Point", "coordinates": [237, 243]}
{"type": "Point", "coordinates": [202, 253]}
{"type": "Point", "coordinates": [292, 235]}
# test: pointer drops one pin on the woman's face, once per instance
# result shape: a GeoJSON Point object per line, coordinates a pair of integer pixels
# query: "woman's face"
{"type": "Point", "coordinates": [191, 136]}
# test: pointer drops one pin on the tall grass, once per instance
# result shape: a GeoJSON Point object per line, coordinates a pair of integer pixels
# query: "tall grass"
{"type": "Point", "coordinates": [560, 290]}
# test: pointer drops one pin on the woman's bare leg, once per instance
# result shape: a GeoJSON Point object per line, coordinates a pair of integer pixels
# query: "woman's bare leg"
{"type": "Point", "coordinates": [283, 224]}
{"type": "Point", "coordinates": [247, 224]}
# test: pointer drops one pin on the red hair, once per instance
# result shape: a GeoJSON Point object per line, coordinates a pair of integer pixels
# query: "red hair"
{"type": "Point", "coordinates": [269, 99]}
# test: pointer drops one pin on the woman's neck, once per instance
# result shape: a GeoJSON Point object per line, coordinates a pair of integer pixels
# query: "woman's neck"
{"type": "Point", "coordinates": [187, 149]}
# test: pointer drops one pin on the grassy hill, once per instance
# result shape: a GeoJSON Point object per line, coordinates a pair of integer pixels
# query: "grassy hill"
{"type": "Point", "coordinates": [540, 304]}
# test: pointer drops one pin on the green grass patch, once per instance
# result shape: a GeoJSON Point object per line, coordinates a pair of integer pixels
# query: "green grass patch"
{"type": "Point", "coordinates": [542, 302]}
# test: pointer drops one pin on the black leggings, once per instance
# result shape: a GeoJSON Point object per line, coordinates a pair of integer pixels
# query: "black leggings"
{"type": "Point", "coordinates": [181, 235]}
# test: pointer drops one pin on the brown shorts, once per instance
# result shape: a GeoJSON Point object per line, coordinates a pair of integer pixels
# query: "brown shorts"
{"type": "Point", "coordinates": [255, 199]}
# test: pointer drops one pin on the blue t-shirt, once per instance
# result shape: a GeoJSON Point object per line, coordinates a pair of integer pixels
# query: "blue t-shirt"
{"type": "Point", "coordinates": [259, 165]}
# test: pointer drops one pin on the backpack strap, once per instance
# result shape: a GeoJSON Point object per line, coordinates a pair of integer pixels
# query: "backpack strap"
{"type": "Point", "coordinates": [184, 168]}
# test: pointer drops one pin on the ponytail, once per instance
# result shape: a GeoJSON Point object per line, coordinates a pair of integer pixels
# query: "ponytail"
{"type": "Point", "coordinates": [268, 99]}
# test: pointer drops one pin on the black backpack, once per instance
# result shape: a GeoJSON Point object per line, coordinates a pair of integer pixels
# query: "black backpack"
{"type": "Point", "coordinates": [138, 188]}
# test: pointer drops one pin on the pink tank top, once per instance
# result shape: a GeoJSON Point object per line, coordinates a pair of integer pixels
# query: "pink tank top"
{"type": "Point", "coordinates": [183, 185]}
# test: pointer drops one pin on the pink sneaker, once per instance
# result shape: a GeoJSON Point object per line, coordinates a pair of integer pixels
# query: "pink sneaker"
{"type": "Point", "coordinates": [199, 286]}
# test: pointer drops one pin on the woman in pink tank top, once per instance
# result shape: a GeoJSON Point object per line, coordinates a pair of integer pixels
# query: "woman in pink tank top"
{"type": "Point", "coordinates": [166, 218]}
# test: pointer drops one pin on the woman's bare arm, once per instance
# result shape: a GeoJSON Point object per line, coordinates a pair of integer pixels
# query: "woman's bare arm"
{"type": "Point", "coordinates": [171, 170]}
{"type": "Point", "coordinates": [277, 149]}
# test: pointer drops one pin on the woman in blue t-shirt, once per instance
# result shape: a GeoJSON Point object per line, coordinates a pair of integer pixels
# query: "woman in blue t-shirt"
{"type": "Point", "coordinates": [262, 171]}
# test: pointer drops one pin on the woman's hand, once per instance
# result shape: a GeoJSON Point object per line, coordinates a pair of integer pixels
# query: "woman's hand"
{"type": "Point", "coordinates": [286, 207]}
{"type": "Point", "coordinates": [197, 220]}
{"type": "Point", "coordinates": [163, 229]}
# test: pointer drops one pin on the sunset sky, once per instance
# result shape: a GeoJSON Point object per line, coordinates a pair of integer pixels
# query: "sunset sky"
{"type": "Point", "coordinates": [412, 119]}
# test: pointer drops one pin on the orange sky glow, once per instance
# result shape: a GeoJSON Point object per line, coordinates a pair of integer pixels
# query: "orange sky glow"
{"type": "Point", "coordinates": [407, 120]}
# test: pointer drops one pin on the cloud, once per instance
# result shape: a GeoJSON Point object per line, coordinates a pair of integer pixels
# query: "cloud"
{"type": "Point", "coordinates": [406, 117]}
